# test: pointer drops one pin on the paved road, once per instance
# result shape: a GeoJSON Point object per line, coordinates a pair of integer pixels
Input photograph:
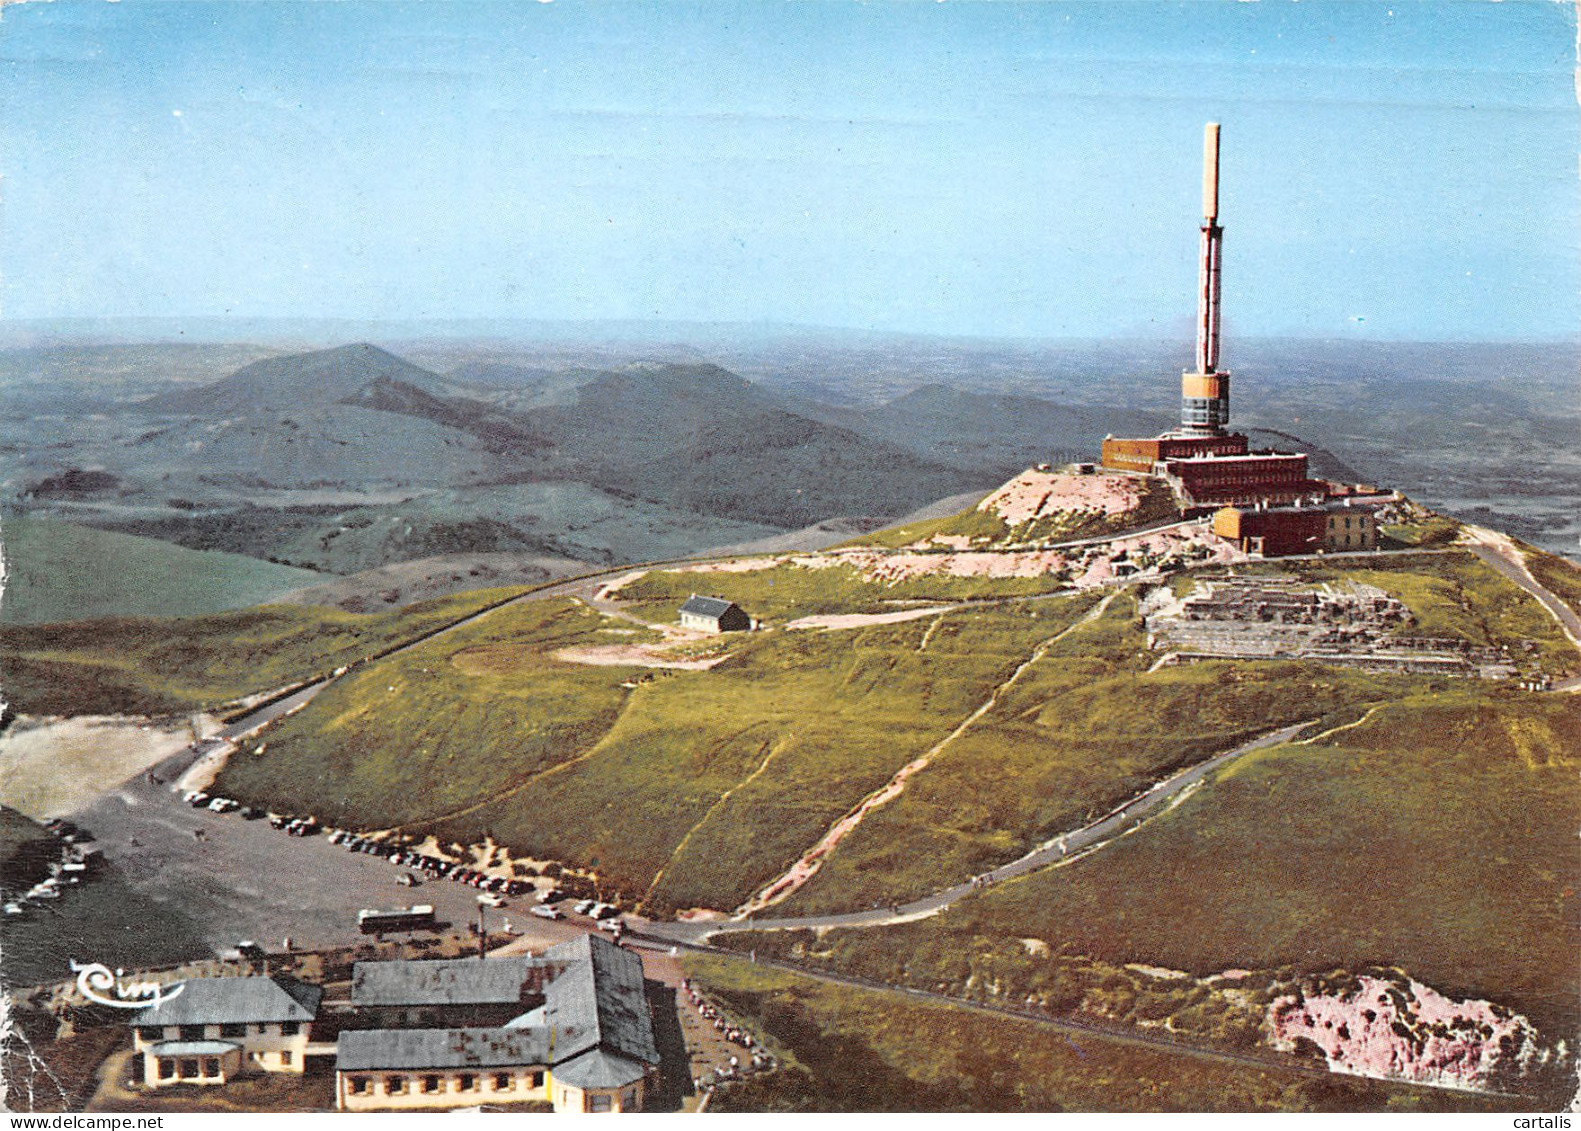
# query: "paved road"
{"type": "Point", "coordinates": [1116, 1033]}
{"type": "Point", "coordinates": [1065, 849]}
{"type": "Point", "coordinates": [1499, 552]}
{"type": "Point", "coordinates": [583, 587]}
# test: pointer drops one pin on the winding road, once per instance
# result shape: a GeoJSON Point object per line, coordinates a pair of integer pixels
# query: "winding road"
{"type": "Point", "coordinates": [1062, 850]}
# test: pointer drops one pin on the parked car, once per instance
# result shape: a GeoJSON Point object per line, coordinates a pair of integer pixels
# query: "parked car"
{"type": "Point", "coordinates": [198, 799]}
{"type": "Point", "coordinates": [613, 926]}
{"type": "Point", "coordinates": [251, 813]}
{"type": "Point", "coordinates": [489, 899]}
{"type": "Point", "coordinates": [603, 911]}
{"type": "Point", "coordinates": [545, 911]}
{"type": "Point", "coordinates": [407, 880]}
{"type": "Point", "coordinates": [553, 895]}
{"type": "Point", "coordinates": [583, 906]}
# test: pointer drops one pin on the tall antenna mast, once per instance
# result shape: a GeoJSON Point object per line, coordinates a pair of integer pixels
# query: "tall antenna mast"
{"type": "Point", "coordinates": [1205, 393]}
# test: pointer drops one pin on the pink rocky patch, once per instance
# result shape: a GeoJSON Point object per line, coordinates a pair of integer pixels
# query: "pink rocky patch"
{"type": "Point", "coordinates": [1393, 1027]}
{"type": "Point", "coordinates": [1033, 494]}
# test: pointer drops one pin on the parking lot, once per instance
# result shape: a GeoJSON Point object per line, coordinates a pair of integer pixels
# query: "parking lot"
{"type": "Point", "coordinates": [224, 879]}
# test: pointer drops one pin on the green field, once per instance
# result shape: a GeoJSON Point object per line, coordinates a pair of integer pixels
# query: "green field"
{"type": "Point", "coordinates": [696, 788]}
{"type": "Point", "coordinates": [1425, 531]}
{"type": "Point", "coordinates": [849, 1049]}
{"type": "Point", "coordinates": [157, 666]}
{"type": "Point", "coordinates": [681, 787]}
{"type": "Point", "coordinates": [1559, 575]}
{"type": "Point", "coordinates": [787, 591]}
{"type": "Point", "coordinates": [1082, 729]}
{"type": "Point", "coordinates": [57, 571]}
{"type": "Point", "coordinates": [1438, 836]}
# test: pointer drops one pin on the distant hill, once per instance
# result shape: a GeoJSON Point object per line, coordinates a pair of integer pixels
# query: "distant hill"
{"type": "Point", "coordinates": [781, 468]}
{"type": "Point", "coordinates": [57, 571]}
{"type": "Point", "coordinates": [299, 380]}
{"type": "Point", "coordinates": [353, 457]}
{"type": "Point", "coordinates": [994, 433]}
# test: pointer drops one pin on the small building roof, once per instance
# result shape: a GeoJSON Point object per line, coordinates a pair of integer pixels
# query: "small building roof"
{"type": "Point", "coordinates": [711, 607]}
{"type": "Point", "coordinates": [193, 1048]}
{"type": "Point", "coordinates": [420, 1049]}
{"type": "Point", "coordinates": [598, 1069]}
{"type": "Point", "coordinates": [218, 1001]}
{"type": "Point", "coordinates": [442, 981]}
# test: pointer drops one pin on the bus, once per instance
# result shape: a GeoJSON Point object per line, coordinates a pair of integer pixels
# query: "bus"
{"type": "Point", "coordinates": [418, 918]}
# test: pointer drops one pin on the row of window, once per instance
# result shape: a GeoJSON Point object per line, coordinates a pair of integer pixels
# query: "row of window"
{"type": "Point", "coordinates": [1205, 410]}
{"type": "Point", "coordinates": [188, 1068]}
{"type": "Point", "coordinates": [230, 1029]}
{"type": "Point", "coordinates": [432, 1083]}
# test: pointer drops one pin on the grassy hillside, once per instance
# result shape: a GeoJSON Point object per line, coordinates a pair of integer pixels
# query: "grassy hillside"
{"type": "Point", "coordinates": [1438, 835]}
{"type": "Point", "coordinates": [1558, 575]}
{"type": "Point", "coordinates": [692, 786]}
{"type": "Point", "coordinates": [849, 1049]}
{"type": "Point", "coordinates": [786, 590]}
{"type": "Point", "coordinates": [57, 571]}
{"type": "Point", "coordinates": [695, 788]}
{"type": "Point", "coordinates": [1082, 729]}
{"type": "Point", "coordinates": [149, 666]}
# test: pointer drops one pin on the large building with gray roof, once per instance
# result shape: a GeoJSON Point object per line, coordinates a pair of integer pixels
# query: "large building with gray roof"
{"type": "Point", "coordinates": [462, 992]}
{"type": "Point", "coordinates": [587, 1044]}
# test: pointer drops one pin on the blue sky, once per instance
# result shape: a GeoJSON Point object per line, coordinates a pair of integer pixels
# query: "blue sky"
{"type": "Point", "coordinates": [998, 169]}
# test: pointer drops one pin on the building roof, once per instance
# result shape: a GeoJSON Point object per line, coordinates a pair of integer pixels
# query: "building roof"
{"type": "Point", "coordinates": [193, 1048]}
{"type": "Point", "coordinates": [419, 1049]}
{"type": "Point", "coordinates": [711, 607]}
{"type": "Point", "coordinates": [443, 981]}
{"type": "Point", "coordinates": [600, 1000]}
{"type": "Point", "coordinates": [217, 1001]}
{"type": "Point", "coordinates": [598, 1069]}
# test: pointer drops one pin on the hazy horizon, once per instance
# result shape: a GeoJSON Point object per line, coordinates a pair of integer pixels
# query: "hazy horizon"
{"type": "Point", "coordinates": [1002, 172]}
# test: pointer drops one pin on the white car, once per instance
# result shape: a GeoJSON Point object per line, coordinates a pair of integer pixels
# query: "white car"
{"type": "Point", "coordinates": [545, 911]}
{"type": "Point", "coordinates": [613, 926]}
{"type": "Point", "coordinates": [489, 899]}
{"type": "Point", "coordinates": [583, 906]}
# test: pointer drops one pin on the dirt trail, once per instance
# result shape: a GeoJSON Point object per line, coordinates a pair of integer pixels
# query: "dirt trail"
{"type": "Point", "coordinates": [863, 620]}
{"type": "Point", "coordinates": [805, 868]}
{"type": "Point", "coordinates": [774, 748]}
{"type": "Point", "coordinates": [531, 780]}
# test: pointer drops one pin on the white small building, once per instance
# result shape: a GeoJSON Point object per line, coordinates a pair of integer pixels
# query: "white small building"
{"type": "Point", "coordinates": [714, 614]}
{"type": "Point", "coordinates": [217, 1028]}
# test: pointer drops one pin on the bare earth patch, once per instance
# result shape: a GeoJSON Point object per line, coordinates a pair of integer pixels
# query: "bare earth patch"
{"type": "Point", "coordinates": [50, 767]}
{"type": "Point", "coordinates": [1034, 494]}
{"type": "Point", "coordinates": [862, 620]}
{"type": "Point", "coordinates": [636, 655]}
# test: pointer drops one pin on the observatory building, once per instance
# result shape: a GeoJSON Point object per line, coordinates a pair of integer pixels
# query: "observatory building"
{"type": "Point", "coordinates": [1206, 464]}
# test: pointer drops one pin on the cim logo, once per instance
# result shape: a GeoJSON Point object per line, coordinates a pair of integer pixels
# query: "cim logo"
{"type": "Point", "coordinates": [95, 982]}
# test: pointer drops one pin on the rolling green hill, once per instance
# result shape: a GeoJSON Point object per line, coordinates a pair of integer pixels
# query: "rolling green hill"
{"type": "Point", "coordinates": [1437, 835]}
{"type": "Point", "coordinates": [58, 571]}
{"type": "Point", "coordinates": [159, 666]}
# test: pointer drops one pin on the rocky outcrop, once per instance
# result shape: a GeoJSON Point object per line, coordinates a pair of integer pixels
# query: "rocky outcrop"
{"type": "Point", "coordinates": [1384, 1024]}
